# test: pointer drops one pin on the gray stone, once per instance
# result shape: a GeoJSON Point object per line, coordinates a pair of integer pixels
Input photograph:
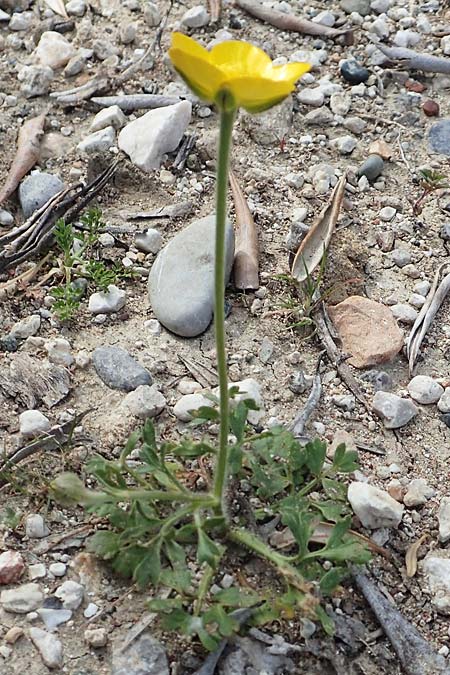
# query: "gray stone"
{"type": "Point", "coordinates": [444, 401]}
{"type": "Point", "coordinates": [96, 637]}
{"type": "Point", "coordinates": [147, 139]}
{"type": "Point", "coordinates": [71, 594]}
{"type": "Point", "coordinates": [195, 17]}
{"type": "Point", "coordinates": [181, 281]}
{"type": "Point", "coordinates": [6, 218]}
{"type": "Point", "coordinates": [35, 80]}
{"type": "Point", "coordinates": [321, 117]}
{"type": "Point", "coordinates": [118, 369]}
{"type": "Point", "coordinates": [344, 401]}
{"type": "Point", "coordinates": [54, 50]}
{"type": "Point", "coordinates": [393, 410]}
{"type": "Point", "coordinates": [312, 97]}
{"type": "Point", "coordinates": [269, 127]}
{"type": "Point", "coordinates": [444, 232]}
{"type": "Point", "coordinates": [418, 493]}
{"type": "Point", "coordinates": [149, 241]}
{"type": "Point", "coordinates": [144, 402]}
{"type": "Point", "coordinates": [58, 569]}
{"type": "Point", "coordinates": [48, 646]}
{"type": "Point", "coordinates": [374, 507]}
{"type": "Point", "coordinates": [401, 257]}
{"type": "Point", "coordinates": [340, 103]}
{"type": "Point", "coordinates": [145, 656]}
{"type": "Point", "coordinates": [76, 8]}
{"type": "Point", "coordinates": [379, 379]}
{"type": "Point", "coordinates": [26, 327]}
{"type": "Point", "coordinates": [190, 402]}
{"type": "Point", "coordinates": [107, 302]}
{"type": "Point", "coordinates": [98, 142]}
{"type": "Point", "coordinates": [422, 287]}
{"type": "Point", "coordinates": [21, 21]}
{"type": "Point", "coordinates": [109, 117]}
{"type": "Point", "coordinates": [52, 618]}
{"type": "Point", "coordinates": [404, 313]}
{"type": "Point", "coordinates": [425, 390]}
{"type": "Point", "coordinates": [344, 144]}
{"type": "Point", "coordinates": [33, 423]}
{"type": "Point", "coordinates": [36, 190]}
{"type": "Point", "coordinates": [35, 527]}
{"type": "Point", "coordinates": [58, 351]}
{"type": "Point", "coordinates": [361, 7]}
{"type": "Point", "coordinates": [249, 389]}
{"type": "Point", "coordinates": [22, 599]}
{"type": "Point", "coordinates": [371, 167]}
{"type": "Point", "coordinates": [152, 15]}
{"type": "Point", "coordinates": [439, 137]}
{"type": "Point", "coordinates": [387, 213]}
{"type": "Point", "coordinates": [436, 569]}
{"type": "Point", "coordinates": [444, 520]}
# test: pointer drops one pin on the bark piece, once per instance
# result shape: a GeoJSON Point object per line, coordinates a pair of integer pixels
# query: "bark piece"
{"type": "Point", "coordinates": [31, 381]}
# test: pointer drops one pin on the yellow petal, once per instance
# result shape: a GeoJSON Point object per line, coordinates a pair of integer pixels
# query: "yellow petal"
{"type": "Point", "coordinates": [188, 45]}
{"type": "Point", "coordinates": [203, 78]}
{"type": "Point", "coordinates": [238, 59]}
{"type": "Point", "coordinates": [290, 72]}
{"type": "Point", "coordinates": [257, 94]}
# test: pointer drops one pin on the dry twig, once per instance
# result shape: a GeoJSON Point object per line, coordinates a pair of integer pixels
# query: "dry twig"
{"type": "Point", "coordinates": [246, 251]}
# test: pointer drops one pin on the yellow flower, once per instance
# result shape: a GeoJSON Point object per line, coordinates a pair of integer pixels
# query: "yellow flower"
{"type": "Point", "coordinates": [234, 74]}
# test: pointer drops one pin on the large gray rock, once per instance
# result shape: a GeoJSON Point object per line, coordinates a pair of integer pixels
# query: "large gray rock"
{"type": "Point", "coordinates": [393, 410]}
{"type": "Point", "coordinates": [439, 137]}
{"type": "Point", "coordinates": [36, 190]}
{"type": "Point", "coordinates": [374, 507]}
{"type": "Point", "coordinates": [118, 369]}
{"type": "Point", "coordinates": [23, 599]}
{"type": "Point", "coordinates": [181, 281]}
{"type": "Point", "coordinates": [145, 656]}
{"type": "Point", "coordinates": [436, 570]}
{"type": "Point", "coordinates": [48, 646]}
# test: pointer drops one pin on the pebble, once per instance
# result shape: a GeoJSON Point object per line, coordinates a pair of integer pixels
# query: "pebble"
{"type": "Point", "coordinates": [439, 137]}
{"type": "Point", "coordinates": [48, 646]}
{"type": "Point", "coordinates": [395, 412]}
{"type": "Point", "coordinates": [144, 402]}
{"type": "Point", "coordinates": [58, 569]}
{"type": "Point", "coordinates": [190, 402]}
{"type": "Point", "coordinates": [149, 241]}
{"type": "Point", "coordinates": [425, 390]}
{"type": "Point", "coordinates": [97, 637]}
{"type": "Point", "coordinates": [152, 15]}
{"type": "Point", "coordinates": [36, 190]}
{"type": "Point", "coordinates": [345, 401]}
{"type": "Point", "coordinates": [35, 80]}
{"type": "Point", "coordinates": [52, 618]}
{"type": "Point", "coordinates": [37, 571]}
{"type": "Point", "coordinates": [444, 232]}
{"type": "Point", "coordinates": [422, 287]}
{"type": "Point", "coordinates": [181, 281]}
{"type": "Point", "coordinates": [6, 218]}
{"type": "Point", "coordinates": [387, 213]}
{"type": "Point", "coordinates": [431, 108]}
{"type": "Point", "coordinates": [371, 167]}
{"type": "Point", "coordinates": [12, 567]}
{"type": "Point", "coordinates": [361, 7]}
{"type": "Point", "coordinates": [109, 117]}
{"type": "Point", "coordinates": [265, 351]}
{"type": "Point", "coordinates": [98, 142]}
{"type": "Point", "coordinates": [21, 21]}
{"type": "Point", "coordinates": [404, 313]}
{"type": "Point", "coordinates": [375, 508]}
{"type": "Point", "coordinates": [444, 520]}
{"type": "Point", "coordinates": [22, 599]}
{"type": "Point", "coordinates": [33, 423]}
{"type": "Point", "coordinates": [118, 369]}
{"type": "Point", "coordinates": [13, 634]}
{"type": "Point", "coordinates": [148, 138]}
{"type": "Point", "coordinates": [436, 570]}
{"type": "Point", "coordinates": [91, 610]}
{"type": "Point", "coordinates": [71, 594]}
{"type": "Point", "coordinates": [340, 103]}
{"type": "Point", "coordinates": [298, 383]}
{"type": "Point", "coordinates": [54, 50]}
{"type": "Point", "coordinates": [144, 656]}
{"type": "Point", "coordinates": [35, 527]}
{"type": "Point", "coordinates": [58, 352]}
{"type": "Point", "coordinates": [344, 144]}
{"type": "Point", "coordinates": [418, 493]}
{"type": "Point", "coordinates": [379, 379]}
{"type": "Point", "coordinates": [353, 72]}
{"type": "Point", "coordinates": [355, 124]}
{"type": "Point", "coordinates": [249, 389]}
{"type": "Point", "coordinates": [417, 301]}
{"type": "Point", "coordinates": [26, 327]}
{"type": "Point", "coordinates": [311, 97]}
{"type": "Point", "coordinates": [195, 17]}
{"type": "Point", "coordinates": [401, 257]}
{"type": "Point", "coordinates": [76, 8]}
{"type": "Point", "coordinates": [107, 302]}
{"type": "Point", "coordinates": [444, 401]}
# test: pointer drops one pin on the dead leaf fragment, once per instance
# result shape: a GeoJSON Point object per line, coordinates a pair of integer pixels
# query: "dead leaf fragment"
{"type": "Point", "coordinates": [246, 254]}
{"type": "Point", "coordinates": [316, 242]}
{"type": "Point", "coordinates": [26, 156]}
{"type": "Point", "coordinates": [411, 555]}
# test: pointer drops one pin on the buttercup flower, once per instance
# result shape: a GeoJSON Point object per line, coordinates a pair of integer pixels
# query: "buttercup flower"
{"type": "Point", "coordinates": [236, 72]}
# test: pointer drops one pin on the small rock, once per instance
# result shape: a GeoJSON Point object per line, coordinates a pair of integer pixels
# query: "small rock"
{"type": "Point", "coordinates": [355, 124]}
{"type": "Point", "coordinates": [149, 241]}
{"type": "Point", "coordinates": [152, 15]}
{"type": "Point", "coordinates": [109, 117]}
{"type": "Point", "coordinates": [340, 103]}
{"type": "Point", "coordinates": [320, 117]}
{"type": "Point", "coordinates": [444, 232]}
{"type": "Point", "coordinates": [361, 7]}
{"type": "Point", "coordinates": [439, 137]}
{"type": "Point", "coordinates": [26, 327]}
{"type": "Point", "coordinates": [52, 618]}
{"type": "Point", "coordinates": [367, 330]}
{"type": "Point", "coordinates": [375, 508]}
{"type": "Point", "coordinates": [371, 167]}
{"type": "Point", "coordinates": [54, 50]}
{"type": "Point", "coordinates": [418, 493]}
{"type": "Point", "coordinates": [21, 21]}
{"type": "Point", "coordinates": [311, 97]}
{"type": "Point", "coordinates": [445, 45]}
{"type": "Point", "coordinates": [430, 108]}
{"type": "Point", "coordinates": [344, 144]}
{"type": "Point", "coordinates": [58, 569]}
{"type": "Point", "coordinates": [48, 646]}
{"type": "Point", "coordinates": [417, 301]}
{"type": "Point", "coordinates": [33, 423]}
{"type": "Point", "coordinates": [401, 257]}
{"type": "Point", "coordinates": [22, 599]}
{"type": "Point", "coordinates": [71, 594]}
{"type": "Point", "coordinates": [96, 637]}
{"type": "Point", "coordinates": [387, 213]}
{"type": "Point", "coordinates": [190, 402]}
{"type": "Point", "coordinates": [37, 571]}
{"type": "Point", "coordinates": [268, 127]}
{"type": "Point", "coordinates": [91, 610]}
{"type": "Point", "coordinates": [196, 17]}
{"type": "Point", "coordinates": [265, 352]}
{"type": "Point", "coordinates": [346, 401]}
{"type": "Point", "coordinates": [298, 383]}
{"type": "Point", "coordinates": [444, 520]}
{"type": "Point", "coordinates": [35, 80]}
{"type": "Point", "coordinates": [325, 18]}
{"type": "Point", "coordinates": [144, 402]}
{"type": "Point", "coordinates": [249, 389]}
{"type": "Point", "coordinates": [6, 218]}
{"type": "Point", "coordinates": [98, 142]}
{"type": "Point", "coordinates": [354, 73]}
{"type": "Point", "coordinates": [76, 8]}
{"type": "Point", "coordinates": [380, 380]}
{"type": "Point", "coordinates": [58, 351]}
{"type": "Point", "coordinates": [118, 369]}
{"type": "Point", "coordinates": [422, 287]}
{"type": "Point", "coordinates": [395, 412]}
{"type": "Point", "coordinates": [107, 302]}
{"type": "Point", "coordinates": [35, 527]}
{"type": "Point", "coordinates": [444, 401]}
{"type": "Point", "coordinates": [75, 66]}
{"type": "Point", "coordinates": [425, 390]}
{"type": "Point", "coordinates": [144, 656]}
{"type": "Point", "coordinates": [36, 190]}
{"type": "Point", "coordinates": [436, 569]}
{"type": "Point", "coordinates": [404, 313]}
{"type": "Point", "coordinates": [13, 634]}
{"type": "Point", "coordinates": [11, 567]}
{"type": "Point", "coordinates": [128, 32]}
{"type": "Point", "coordinates": [159, 131]}
{"type": "Point", "coordinates": [381, 148]}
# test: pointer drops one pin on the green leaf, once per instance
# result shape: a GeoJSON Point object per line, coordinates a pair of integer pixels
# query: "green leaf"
{"type": "Point", "coordinates": [104, 543]}
{"type": "Point", "coordinates": [128, 559]}
{"type": "Point", "coordinates": [332, 579]}
{"type": "Point", "coordinates": [149, 569]}
{"type": "Point", "coordinates": [301, 525]}
{"type": "Point", "coordinates": [338, 531]}
{"type": "Point", "coordinates": [149, 435]}
{"type": "Point", "coordinates": [350, 551]}
{"type": "Point", "coordinates": [180, 579]}
{"type": "Point", "coordinates": [238, 420]}
{"type": "Point", "coordinates": [236, 597]}
{"type": "Point", "coordinates": [226, 624]}
{"type": "Point", "coordinates": [326, 621]}
{"type": "Point", "coordinates": [315, 456]}
{"type": "Point", "coordinates": [345, 460]}
{"type": "Point", "coordinates": [190, 448]}
{"type": "Point", "coordinates": [205, 412]}
{"type": "Point", "coordinates": [334, 489]}
{"type": "Point", "coordinates": [207, 551]}
{"type": "Point", "coordinates": [330, 510]}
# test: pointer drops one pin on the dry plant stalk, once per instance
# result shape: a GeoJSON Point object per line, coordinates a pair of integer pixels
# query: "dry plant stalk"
{"type": "Point", "coordinates": [411, 555]}
{"type": "Point", "coordinates": [27, 154]}
{"type": "Point", "coordinates": [411, 60]}
{"type": "Point", "coordinates": [246, 256]}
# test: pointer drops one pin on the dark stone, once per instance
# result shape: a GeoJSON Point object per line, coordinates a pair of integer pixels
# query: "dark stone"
{"type": "Point", "coordinates": [371, 167]}
{"type": "Point", "coordinates": [379, 379]}
{"type": "Point", "coordinates": [52, 603]}
{"type": "Point", "coordinates": [439, 137]}
{"type": "Point", "coordinates": [145, 656]}
{"type": "Point", "coordinates": [446, 419]}
{"type": "Point", "coordinates": [118, 369]}
{"type": "Point", "coordinates": [8, 344]}
{"type": "Point", "coordinates": [354, 73]}
{"type": "Point", "coordinates": [36, 190]}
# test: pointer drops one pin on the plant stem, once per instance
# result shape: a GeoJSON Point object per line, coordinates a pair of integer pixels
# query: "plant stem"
{"type": "Point", "coordinates": [221, 470]}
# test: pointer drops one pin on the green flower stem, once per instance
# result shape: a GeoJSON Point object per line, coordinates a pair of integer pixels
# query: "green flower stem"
{"type": "Point", "coordinates": [204, 501]}
{"type": "Point", "coordinates": [221, 470]}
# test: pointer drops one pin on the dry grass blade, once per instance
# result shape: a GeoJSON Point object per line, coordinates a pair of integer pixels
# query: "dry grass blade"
{"type": "Point", "coordinates": [58, 7]}
{"type": "Point", "coordinates": [215, 9]}
{"type": "Point", "coordinates": [435, 298]}
{"type": "Point", "coordinates": [246, 255]}
{"type": "Point", "coordinates": [316, 242]}
{"type": "Point", "coordinates": [411, 555]}
{"type": "Point", "coordinates": [321, 534]}
{"type": "Point", "coordinates": [27, 154]}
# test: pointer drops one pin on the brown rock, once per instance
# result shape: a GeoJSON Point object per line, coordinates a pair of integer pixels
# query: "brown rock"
{"type": "Point", "coordinates": [413, 85]}
{"type": "Point", "coordinates": [13, 634]}
{"type": "Point", "coordinates": [381, 148]}
{"type": "Point", "coordinates": [431, 108]}
{"type": "Point", "coordinates": [368, 331]}
{"type": "Point", "coordinates": [11, 567]}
